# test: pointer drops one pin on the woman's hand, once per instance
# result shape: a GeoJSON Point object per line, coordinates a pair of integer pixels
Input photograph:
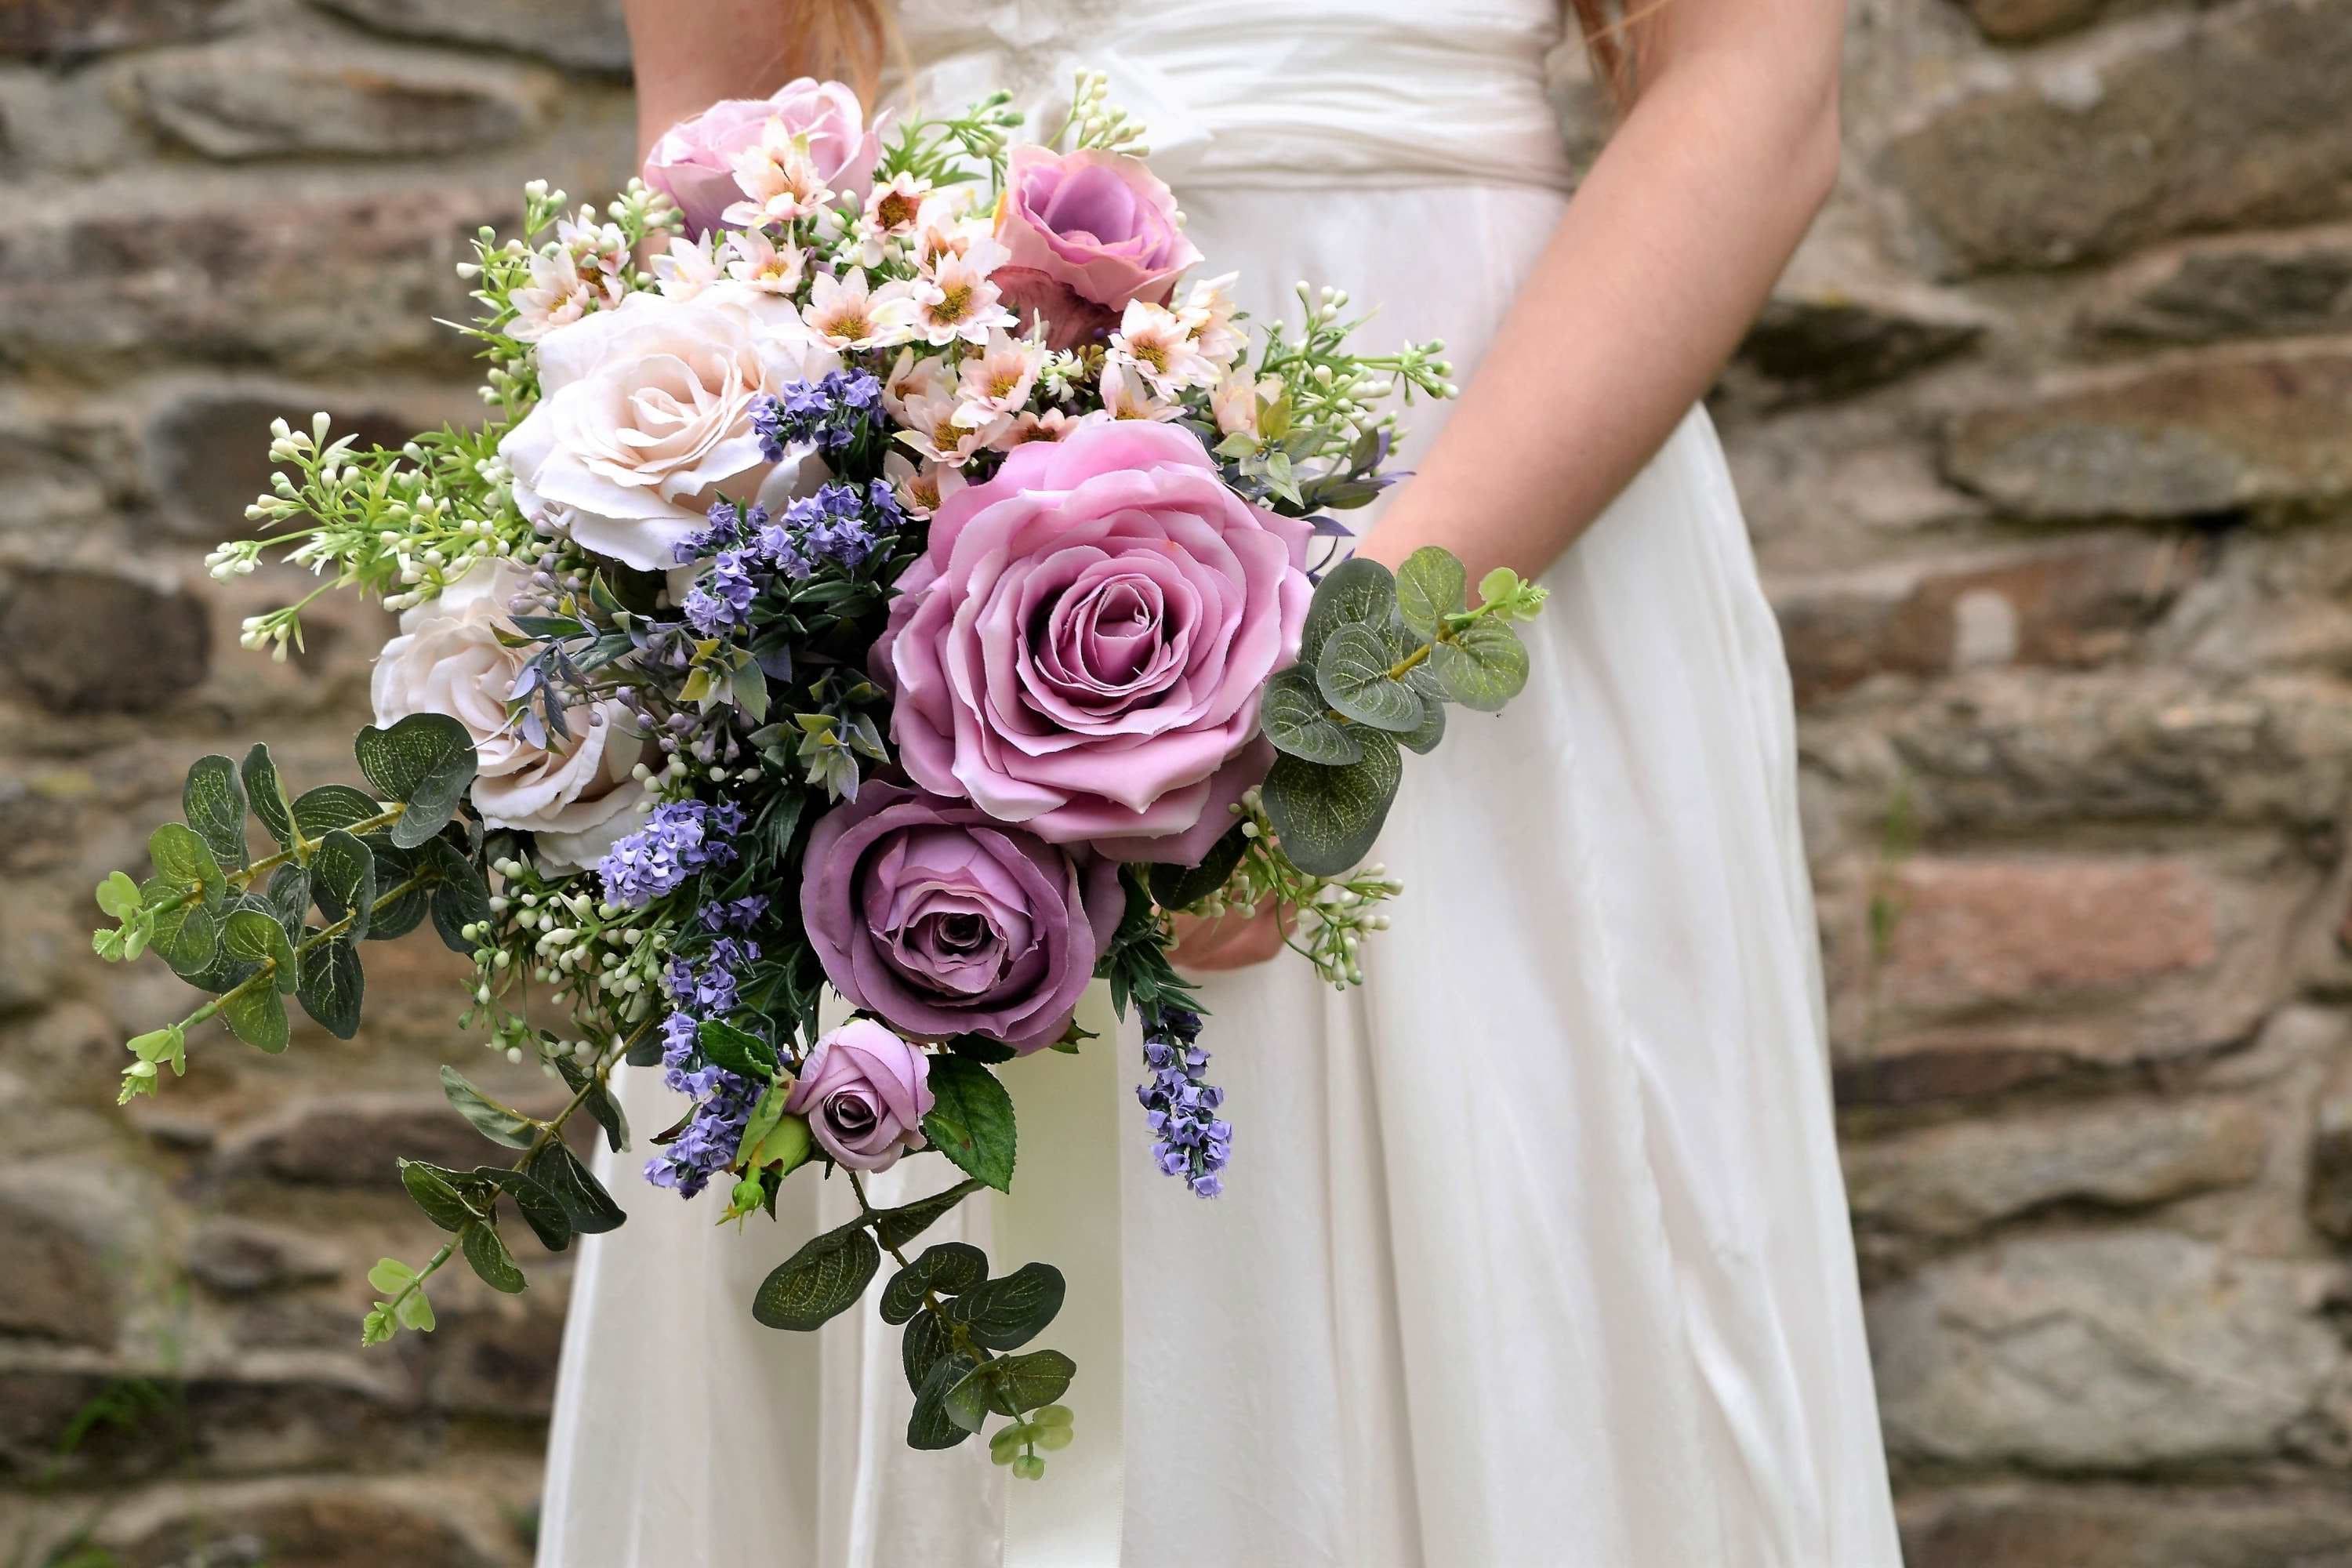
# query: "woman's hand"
{"type": "Point", "coordinates": [1226, 941]}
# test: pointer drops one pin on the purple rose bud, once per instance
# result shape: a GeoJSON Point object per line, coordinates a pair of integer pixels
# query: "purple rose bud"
{"type": "Point", "coordinates": [865, 1092]}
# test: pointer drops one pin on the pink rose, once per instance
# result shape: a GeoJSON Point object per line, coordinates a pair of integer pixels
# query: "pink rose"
{"type": "Point", "coordinates": [865, 1092]}
{"type": "Point", "coordinates": [1081, 647]}
{"type": "Point", "coordinates": [1098, 224]}
{"type": "Point", "coordinates": [693, 161]}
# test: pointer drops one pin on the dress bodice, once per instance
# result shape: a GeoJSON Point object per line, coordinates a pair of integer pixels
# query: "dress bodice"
{"type": "Point", "coordinates": [1295, 93]}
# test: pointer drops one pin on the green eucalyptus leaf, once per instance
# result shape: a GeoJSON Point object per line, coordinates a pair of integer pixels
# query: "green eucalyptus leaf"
{"type": "Point", "coordinates": [1178, 887]}
{"type": "Point", "coordinates": [392, 869]}
{"type": "Point", "coordinates": [947, 1268]}
{"type": "Point", "coordinates": [289, 894]}
{"type": "Point", "coordinates": [258, 1018]}
{"type": "Point", "coordinates": [255, 937]}
{"type": "Point", "coordinates": [820, 1282]}
{"type": "Point", "coordinates": [491, 1260]}
{"type": "Point", "coordinates": [319, 811]}
{"type": "Point", "coordinates": [1424, 740]}
{"type": "Point", "coordinates": [213, 800]}
{"type": "Point", "coordinates": [1353, 676]}
{"type": "Point", "coordinates": [895, 1227]}
{"type": "Point", "coordinates": [440, 1195]}
{"type": "Point", "coordinates": [924, 1344]}
{"type": "Point", "coordinates": [1356, 591]}
{"type": "Point", "coordinates": [391, 1275]}
{"type": "Point", "coordinates": [494, 1121]}
{"type": "Point", "coordinates": [971, 1120]}
{"type": "Point", "coordinates": [1483, 666]}
{"type": "Point", "coordinates": [343, 878]}
{"type": "Point", "coordinates": [538, 1207]}
{"type": "Point", "coordinates": [266, 792]}
{"type": "Point", "coordinates": [598, 1102]}
{"type": "Point", "coordinates": [930, 1427]}
{"type": "Point", "coordinates": [182, 860]}
{"type": "Point", "coordinates": [1431, 585]}
{"type": "Point", "coordinates": [1327, 818]}
{"type": "Point", "coordinates": [1007, 1313]}
{"type": "Point", "coordinates": [424, 762]}
{"type": "Point", "coordinates": [1012, 1385]}
{"type": "Point", "coordinates": [1295, 718]}
{"type": "Point", "coordinates": [585, 1202]}
{"type": "Point", "coordinates": [186, 937]}
{"type": "Point", "coordinates": [330, 985]}
{"type": "Point", "coordinates": [415, 1312]}
{"type": "Point", "coordinates": [460, 897]}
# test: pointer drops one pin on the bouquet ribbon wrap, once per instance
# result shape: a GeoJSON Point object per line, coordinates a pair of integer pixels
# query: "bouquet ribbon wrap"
{"type": "Point", "coordinates": [1066, 1206]}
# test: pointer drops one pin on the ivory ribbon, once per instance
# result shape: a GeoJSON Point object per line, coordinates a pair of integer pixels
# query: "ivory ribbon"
{"type": "Point", "coordinates": [1064, 1209]}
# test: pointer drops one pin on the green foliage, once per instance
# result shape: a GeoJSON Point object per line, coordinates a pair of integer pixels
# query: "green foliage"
{"type": "Point", "coordinates": [1007, 1313]}
{"type": "Point", "coordinates": [265, 793]}
{"type": "Point", "coordinates": [499, 1123]}
{"type": "Point", "coordinates": [425, 762]}
{"type": "Point", "coordinates": [896, 1227]}
{"type": "Point", "coordinates": [944, 1268]}
{"type": "Point", "coordinates": [1327, 818]}
{"type": "Point", "coordinates": [744, 1055]}
{"type": "Point", "coordinates": [1430, 586]}
{"type": "Point", "coordinates": [820, 1282]}
{"type": "Point", "coordinates": [213, 801]}
{"type": "Point", "coordinates": [971, 1120]}
{"type": "Point", "coordinates": [489, 1257]}
{"type": "Point", "coordinates": [332, 986]}
{"type": "Point", "coordinates": [1175, 887]}
{"type": "Point", "coordinates": [1298, 719]}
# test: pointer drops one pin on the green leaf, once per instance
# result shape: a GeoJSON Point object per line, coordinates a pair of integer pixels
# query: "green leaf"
{"type": "Point", "coordinates": [1176, 888]}
{"type": "Point", "coordinates": [786, 1146]}
{"type": "Point", "coordinates": [494, 1121]}
{"type": "Point", "coordinates": [267, 792]}
{"type": "Point", "coordinates": [460, 897]}
{"type": "Point", "coordinates": [415, 1312]}
{"type": "Point", "coordinates": [1483, 666]}
{"type": "Point", "coordinates": [930, 1427]}
{"type": "Point", "coordinates": [923, 1346]}
{"type": "Point", "coordinates": [1353, 676]}
{"type": "Point", "coordinates": [439, 1195]}
{"type": "Point", "coordinates": [490, 1259]}
{"type": "Point", "coordinates": [391, 1275]}
{"type": "Point", "coordinates": [1294, 717]}
{"type": "Point", "coordinates": [1355, 590]}
{"type": "Point", "coordinates": [393, 868]}
{"type": "Point", "coordinates": [1007, 1313]}
{"type": "Point", "coordinates": [896, 1227]}
{"type": "Point", "coordinates": [1431, 585]}
{"type": "Point", "coordinates": [343, 878]}
{"type": "Point", "coordinates": [1327, 818]}
{"type": "Point", "coordinates": [971, 1120]}
{"type": "Point", "coordinates": [182, 860]}
{"type": "Point", "coordinates": [213, 800]}
{"type": "Point", "coordinates": [820, 1282]}
{"type": "Point", "coordinates": [320, 811]}
{"type": "Point", "coordinates": [598, 1102]}
{"type": "Point", "coordinates": [546, 1218]}
{"type": "Point", "coordinates": [744, 1055]}
{"type": "Point", "coordinates": [118, 896]}
{"type": "Point", "coordinates": [981, 1048]}
{"type": "Point", "coordinates": [1432, 730]}
{"type": "Point", "coordinates": [424, 762]}
{"type": "Point", "coordinates": [187, 937]}
{"type": "Point", "coordinates": [948, 1268]}
{"type": "Point", "coordinates": [330, 985]}
{"type": "Point", "coordinates": [288, 895]}
{"type": "Point", "coordinates": [251, 936]}
{"type": "Point", "coordinates": [1012, 1385]}
{"type": "Point", "coordinates": [586, 1203]}
{"type": "Point", "coordinates": [376, 1326]}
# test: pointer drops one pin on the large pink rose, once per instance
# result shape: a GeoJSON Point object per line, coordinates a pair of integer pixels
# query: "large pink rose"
{"type": "Point", "coordinates": [693, 161]}
{"type": "Point", "coordinates": [1098, 224]}
{"type": "Point", "coordinates": [1081, 645]}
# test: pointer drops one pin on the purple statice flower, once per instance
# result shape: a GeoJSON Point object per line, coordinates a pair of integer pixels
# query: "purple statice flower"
{"type": "Point", "coordinates": [1179, 1105]}
{"type": "Point", "coordinates": [832, 525]}
{"type": "Point", "coordinates": [737, 914]}
{"type": "Point", "coordinates": [722, 1107]}
{"type": "Point", "coordinates": [828, 414]}
{"type": "Point", "coordinates": [680, 838]}
{"type": "Point", "coordinates": [720, 599]}
{"type": "Point", "coordinates": [775, 547]}
{"type": "Point", "coordinates": [730, 528]}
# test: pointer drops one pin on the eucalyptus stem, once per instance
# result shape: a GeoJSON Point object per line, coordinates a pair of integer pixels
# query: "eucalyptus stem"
{"type": "Point", "coordinates": [958, 1335]}
{"type": "Point", "coordinates": [265, 975]}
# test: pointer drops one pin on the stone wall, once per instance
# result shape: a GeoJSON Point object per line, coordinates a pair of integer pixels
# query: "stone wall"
{"type": "Point", "coordinates": [2045, 444]}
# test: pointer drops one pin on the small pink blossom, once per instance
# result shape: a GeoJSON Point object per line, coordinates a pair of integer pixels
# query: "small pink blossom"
{"type": "Point", "coordinates": [847, 313]}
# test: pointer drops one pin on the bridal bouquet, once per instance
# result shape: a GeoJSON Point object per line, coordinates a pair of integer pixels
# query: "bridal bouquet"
{"type": "Point", "coordinates": [879, 574]}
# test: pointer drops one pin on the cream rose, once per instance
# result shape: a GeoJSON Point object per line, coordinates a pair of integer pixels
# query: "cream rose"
{"type": "Point", "coordinates": [645, 416]}
{"type": "Point", "coordinates": [576, 794]}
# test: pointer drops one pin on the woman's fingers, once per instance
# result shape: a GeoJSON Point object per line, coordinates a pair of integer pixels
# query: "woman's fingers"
{"type": "Point", "coordinates": [1227, 941]}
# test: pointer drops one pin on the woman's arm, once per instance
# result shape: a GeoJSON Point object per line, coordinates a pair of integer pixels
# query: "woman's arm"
{"type": "Point", "coordinates": [1663, 257]}
{"type": "Point", "coordinates": [690, 55]}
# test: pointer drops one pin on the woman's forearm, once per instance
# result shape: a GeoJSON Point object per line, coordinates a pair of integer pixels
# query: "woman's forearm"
{"type": "Point", "coordinates": [1661, 260]}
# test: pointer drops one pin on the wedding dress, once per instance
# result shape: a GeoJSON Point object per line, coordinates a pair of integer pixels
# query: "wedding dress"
{"type": "Point", "coordinates": [1533, 1251]}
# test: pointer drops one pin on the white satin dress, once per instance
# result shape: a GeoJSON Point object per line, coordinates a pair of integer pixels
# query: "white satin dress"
{"type": "Point", "coordinates": [1533, 1252]}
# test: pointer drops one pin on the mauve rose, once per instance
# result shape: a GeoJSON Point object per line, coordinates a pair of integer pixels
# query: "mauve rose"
{"type": "Point", "coordinates": [693, 161]}
{"type": "Point", "coordinates": [1099, 224]}
{"type": "Point", "coordinates": [865, 1092]}
{"type": "Point", "coordinates": [946, 921]}
{"type": "Point", "coordinates": [1081, 645]}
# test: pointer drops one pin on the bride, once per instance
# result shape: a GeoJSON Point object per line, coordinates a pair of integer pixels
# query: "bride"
{"type": "Point", "coordinates": [1533, 1252]}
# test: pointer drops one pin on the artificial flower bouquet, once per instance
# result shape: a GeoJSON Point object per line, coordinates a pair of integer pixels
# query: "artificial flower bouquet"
{"type": "Point", "coordinates": [879, 574]}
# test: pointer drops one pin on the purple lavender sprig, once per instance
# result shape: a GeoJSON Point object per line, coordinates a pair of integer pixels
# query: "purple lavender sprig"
{"type": "Point", "coordinates": [723, 1100]}
{"type": "Point", "coordinates": [1180, 1105]}
{"type": "Point", "coordinates": [828, 414]}
{"type": "Point", "coordinates": [680, 838]}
